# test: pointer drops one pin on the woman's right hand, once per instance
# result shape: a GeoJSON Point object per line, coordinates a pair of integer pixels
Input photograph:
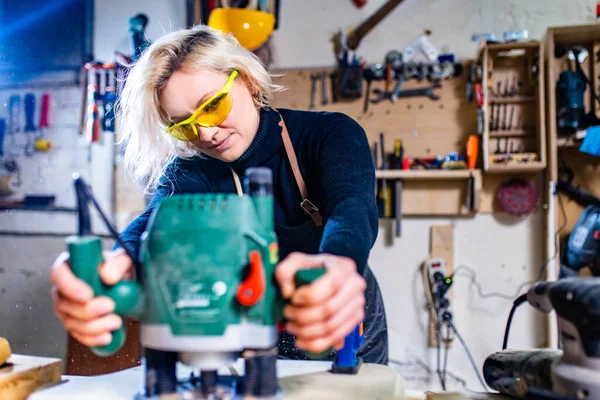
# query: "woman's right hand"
{"type": "Point", "coordinates": [88, 319]}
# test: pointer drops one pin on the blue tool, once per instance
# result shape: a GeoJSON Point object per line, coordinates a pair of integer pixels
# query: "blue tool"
{"type": "Point", "coordinates": [346, 361]}
{"type": "Point", "coordinates": [2, 132]}
{"type": "Point", "coordinates": [29, 124]}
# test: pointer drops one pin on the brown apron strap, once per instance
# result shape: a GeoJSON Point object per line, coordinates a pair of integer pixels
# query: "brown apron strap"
{"type": "Point", "coordinates": [306, 204]}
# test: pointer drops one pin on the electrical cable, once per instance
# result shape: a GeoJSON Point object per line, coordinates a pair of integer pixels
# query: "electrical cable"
{"type": "Point", "coordinates": [520, 300]}
{"type": "Point", "coordinates": [438, 343]}
{"type": "Point", "coordinates": [446, 349]}
{"type": "Point", "coordinates": [84, 194]}
{"type": "Point", "coordinates": [451, 324]}
{"type": "Point", "coordinates": [543, 267]}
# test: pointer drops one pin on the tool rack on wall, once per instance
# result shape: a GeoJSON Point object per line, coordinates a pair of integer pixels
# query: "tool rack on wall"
{"type": "Point", "coordinates": [563, 147]}
{"type": "Point", "coordinates": [514, 132]}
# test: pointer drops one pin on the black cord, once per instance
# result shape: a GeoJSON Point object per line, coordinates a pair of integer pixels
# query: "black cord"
{"type": "Point", "coordinates": [543, 267]}
{"type": "Point", "coordinates": [451, 324]}
{"type": "Point", "coordinates": [87, 193]}
{"type": "Point", "coordinates": [520, 300]}
{"type": "Point", "coordinates": [446, 349]}
{"type": "Point", "coordinates": [438, 342]}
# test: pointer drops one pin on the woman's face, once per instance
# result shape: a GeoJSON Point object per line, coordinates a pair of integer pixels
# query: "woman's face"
{"type": "Point", "coordinates": [186, 90]}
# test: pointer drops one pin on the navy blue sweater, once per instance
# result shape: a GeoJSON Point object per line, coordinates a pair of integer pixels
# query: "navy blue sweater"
{"type": "Point", "coordinates": [335, 160]}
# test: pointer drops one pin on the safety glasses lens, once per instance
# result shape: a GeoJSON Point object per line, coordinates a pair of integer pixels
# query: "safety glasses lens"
{"type": "Point", "coordinates": [215, 112]}
{"type": "Point", "coordinates": [185, 132]}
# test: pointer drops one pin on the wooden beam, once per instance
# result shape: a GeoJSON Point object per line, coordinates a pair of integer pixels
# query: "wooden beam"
{"type": "Point", "coordinates": [441, 246]}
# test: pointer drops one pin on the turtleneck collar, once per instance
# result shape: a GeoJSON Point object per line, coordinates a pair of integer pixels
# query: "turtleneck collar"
{"type": "Point", "coordinates": [266, 143]}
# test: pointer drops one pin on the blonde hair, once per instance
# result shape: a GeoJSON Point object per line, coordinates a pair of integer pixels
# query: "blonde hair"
{"type": "Point", "coordinates": [142, 121]}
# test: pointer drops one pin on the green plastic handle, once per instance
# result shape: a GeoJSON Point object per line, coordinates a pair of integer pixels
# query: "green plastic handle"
{"type": "Point", "coordinates": [306, 277]}
{"type": "Point", "coordinates": [85, 256]}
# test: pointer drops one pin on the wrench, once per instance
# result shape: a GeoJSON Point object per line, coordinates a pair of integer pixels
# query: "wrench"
{"type": "Point", "coordinates": [381, 95]}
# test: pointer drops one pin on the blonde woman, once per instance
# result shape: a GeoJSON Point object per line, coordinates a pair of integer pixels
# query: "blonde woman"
{"type": "Point", "coordinates": [194, 115]}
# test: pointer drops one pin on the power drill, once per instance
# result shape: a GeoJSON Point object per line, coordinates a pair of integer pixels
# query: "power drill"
{"type": "Point", "coordinates": [574, 372]}
{"type": "Point", "coordinates": [583, 244]}
{"type": "Point", "coordinates": [204, 289]}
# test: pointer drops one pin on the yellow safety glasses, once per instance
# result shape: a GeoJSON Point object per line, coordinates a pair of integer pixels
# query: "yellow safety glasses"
{"type": "Point", "coordinates": [211, 113]}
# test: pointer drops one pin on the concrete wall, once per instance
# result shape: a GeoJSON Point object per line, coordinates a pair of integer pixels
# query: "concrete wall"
{"type": "Point", "coordinates": [503, 252]}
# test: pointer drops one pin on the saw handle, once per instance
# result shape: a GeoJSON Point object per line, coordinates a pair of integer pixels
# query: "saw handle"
{"type": "Point", "coordinates": [85, 258]}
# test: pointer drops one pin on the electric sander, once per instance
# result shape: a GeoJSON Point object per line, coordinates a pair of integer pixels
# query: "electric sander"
{"type": "Point", "coordinates": [570, 373]}
{"type": "Point", "coordinates": [204, 291]}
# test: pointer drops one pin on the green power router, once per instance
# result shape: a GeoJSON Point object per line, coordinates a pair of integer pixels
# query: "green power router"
{"type": "Point", "coordinates": [204, 288]}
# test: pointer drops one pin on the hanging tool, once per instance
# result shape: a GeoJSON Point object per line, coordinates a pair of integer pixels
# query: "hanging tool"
{"type": "Point", "coordinates": [324, 100]}
{"type": "Point", "coordinates": [13, 124]}
{"type": "Point", "coordinates": [43, 126]}
{"type": "Point", "coordinates": [381, 95]}
{"type": "Point", "coordinates": [472, 153]}
{"type": "Point", "coordinates": [497, 119]}
{"type": "Point", "coordinates": [397, 162]}
{"type": "Point", "coordinates": [492, 118]}
{"type": "Point", "coordinates": [504, 117]}
{"type": "Point", "coordinates": [333, 80]}
{"type": "Point", "coordinates": [385, 191]}
{"type": "Point", "coordinates": [364, 28]}
{"type": "Point", "coordinates": [313, 92]}
{"type": "Point", "coordinates": [510, 119]}
{"type": "Point", "coordinates": [29, 124]}
{"type": "Point", "coordinates": [2, 136]}
{"type": "Point", "coordinates": [109, 99]}
{"type": "Point", "coordinates": [470, 82]}
{"type": "Point", "coordinates": [94, 98]}
{"type": "Point", "coordinates": [139, 43]}
{"type": "Point", "coordinates": [370, 74]}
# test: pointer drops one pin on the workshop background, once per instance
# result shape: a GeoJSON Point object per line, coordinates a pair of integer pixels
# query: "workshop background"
{"type": "Point", "coordinates": [500, 251]}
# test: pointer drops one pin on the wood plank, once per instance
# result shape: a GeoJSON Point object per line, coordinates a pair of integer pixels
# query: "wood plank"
{"type": "Point", "coordinates": [512, 100]}
{"type": "Point", "coordinates": [441, 246]}
{"type": "Point", "coordinates": [574, 34]}
{"type": "Point", "coordinates": [22, 375]}
{"type": "Point", "coordinates": [427, 174]}
{"type": "Point", "coordinates": [497, 47]}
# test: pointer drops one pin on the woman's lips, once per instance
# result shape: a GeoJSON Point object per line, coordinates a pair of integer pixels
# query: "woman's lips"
{"type": "Point", "coordinates": [222, 144]}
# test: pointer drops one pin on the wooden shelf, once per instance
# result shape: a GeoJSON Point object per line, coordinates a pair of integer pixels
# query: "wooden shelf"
{"type": "Point", "coordinates": [513, 46]}
{"type": "Point", "coordinates": [512, 100]}
{"type": "Point", "coordinates": [534, 166]}
{"type": "Point", "coordinates": [428, 174]}
{"type": "Point", "coordinates": [513, 133]}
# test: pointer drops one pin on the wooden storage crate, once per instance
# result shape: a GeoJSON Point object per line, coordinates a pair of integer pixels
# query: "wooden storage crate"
{"type": "Point", "coordinates": [514, 132]}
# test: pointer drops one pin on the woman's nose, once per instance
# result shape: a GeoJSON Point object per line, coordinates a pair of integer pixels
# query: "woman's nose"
{"type": "Point", "coordinates": [206, 134]}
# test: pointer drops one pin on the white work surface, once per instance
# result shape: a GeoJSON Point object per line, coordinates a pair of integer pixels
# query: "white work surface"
{"type": "Point", "coordinates": [125, 384]}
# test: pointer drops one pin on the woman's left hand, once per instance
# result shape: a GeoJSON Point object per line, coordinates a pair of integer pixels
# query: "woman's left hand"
{"type": "Point", "coordinates": [323, 313]}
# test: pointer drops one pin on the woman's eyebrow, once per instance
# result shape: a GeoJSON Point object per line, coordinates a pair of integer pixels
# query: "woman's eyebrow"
{"type": "Point", "coordinates": [202, 100]}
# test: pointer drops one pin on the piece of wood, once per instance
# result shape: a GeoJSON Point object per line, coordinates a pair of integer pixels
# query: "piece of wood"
{"type": "Point", "coordinates": [427, 174]}
{"type": "Point", "coordinates": [21, 375]}
{"type": "Point", "coordinates": [373, 381]}
{"type": "Point", "coordinates": [512, 133]}
{"type": "Point", "coordinates": [512, 100]}
{"type": "Point", "coordinates": [355, 37]}
{"type": "Point", "coordinates": [441, 246]}
{"type": "Point", "coordinates": [81, 361]}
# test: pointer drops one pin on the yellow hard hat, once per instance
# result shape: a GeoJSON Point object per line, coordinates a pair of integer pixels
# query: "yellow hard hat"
{"type": "Point", "coordinates": [251, 28]}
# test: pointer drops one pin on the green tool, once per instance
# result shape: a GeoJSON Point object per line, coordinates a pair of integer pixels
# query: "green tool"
{"type": "Point", "coordinates": [204, 288]}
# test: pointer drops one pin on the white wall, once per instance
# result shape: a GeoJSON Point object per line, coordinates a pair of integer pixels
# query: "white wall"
{"type": "Point", "coordinates": [452, 23]}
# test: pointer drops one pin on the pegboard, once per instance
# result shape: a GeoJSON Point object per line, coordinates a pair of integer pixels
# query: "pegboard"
{"type": "Point", "coordinates": [426, 127]}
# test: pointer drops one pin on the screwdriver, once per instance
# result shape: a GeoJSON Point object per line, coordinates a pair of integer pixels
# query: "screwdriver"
{"type": "Point", "coordinates": [29, 124]}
